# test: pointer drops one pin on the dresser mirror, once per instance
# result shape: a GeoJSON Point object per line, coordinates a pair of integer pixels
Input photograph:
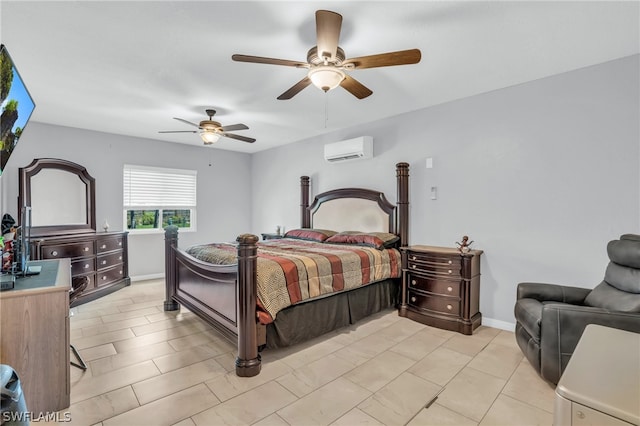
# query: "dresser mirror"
{"type": "Point", "coordinates": [61, 195]}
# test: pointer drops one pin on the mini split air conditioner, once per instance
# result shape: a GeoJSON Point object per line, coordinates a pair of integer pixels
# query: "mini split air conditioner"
{"type": "Point", "coordinates": [352, 149]}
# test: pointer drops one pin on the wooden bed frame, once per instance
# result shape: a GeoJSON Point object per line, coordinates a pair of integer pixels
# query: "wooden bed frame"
{"type": "Point", "coordinates": [225, 295]}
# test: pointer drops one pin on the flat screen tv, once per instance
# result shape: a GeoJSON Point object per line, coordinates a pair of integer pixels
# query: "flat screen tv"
{"type": "Point", "coordinates": [17, 106]}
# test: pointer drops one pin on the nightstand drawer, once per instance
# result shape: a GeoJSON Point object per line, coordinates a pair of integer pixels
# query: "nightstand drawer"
{"type": "Point", "coordinates": [436, 269]}
{"type": "Point", "coordinates": [442, 304]}
{"type": "Point", "coordinates": [432, 285]}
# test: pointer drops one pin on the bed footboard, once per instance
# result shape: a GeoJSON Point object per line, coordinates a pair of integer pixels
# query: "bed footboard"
{"type": "Point", "coordinates": [222, 295]}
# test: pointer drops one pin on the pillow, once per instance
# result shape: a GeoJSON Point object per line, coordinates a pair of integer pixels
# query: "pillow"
{"type": "Point", "coordinates": [319, 235]}
{"type": "Point", "coordinates": [379, 240]}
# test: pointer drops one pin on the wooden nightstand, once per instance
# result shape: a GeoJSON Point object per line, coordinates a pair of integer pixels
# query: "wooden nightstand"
{"type": "Point", "coordinates": [441, 287]}
{"type": "Point", "coordinates": [271, 236]}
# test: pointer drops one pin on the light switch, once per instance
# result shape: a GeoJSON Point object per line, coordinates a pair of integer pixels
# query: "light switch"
{"type": "Point", "coordinates": [434, 193]}
{"type": "Point", "coordinates": [429, 163]}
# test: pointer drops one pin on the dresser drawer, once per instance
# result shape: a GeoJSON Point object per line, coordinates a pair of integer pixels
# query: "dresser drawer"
{"type": "Point", "coordinates": [442, 304]}
{"type": "Point", "coordinates": [434, 285]}
{"type": "Point", "coordinates": [108, 276]}
{"type": "Point", "coordinates": [109, 244]}
{"type": "Point", "coordinates": [111, 259]}
{"type": "Point", "coordinates": [83, 266]}
{"type": "Point", "coordinates": [72, 250]}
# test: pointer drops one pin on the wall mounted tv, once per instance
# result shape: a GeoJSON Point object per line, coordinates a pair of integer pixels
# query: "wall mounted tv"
{"type": "Point", "coordinates": [16, 107]}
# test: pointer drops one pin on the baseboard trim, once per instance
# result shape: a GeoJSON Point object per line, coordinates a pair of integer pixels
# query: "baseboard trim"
{"type": "Point", "coordinates": [502, 325]}
{"type": "Point", "coordinates": [146, 277]}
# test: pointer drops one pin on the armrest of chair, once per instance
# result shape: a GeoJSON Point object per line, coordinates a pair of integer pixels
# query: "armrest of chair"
{"type": "Point", "coordinates": [562, 326]}
{"type": "Point", "coordinates": [552, 293]}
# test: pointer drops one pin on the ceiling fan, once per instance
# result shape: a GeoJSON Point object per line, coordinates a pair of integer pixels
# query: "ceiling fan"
{"type": "Point", "coordinates": [327, 64]}
{"type": "Point", "coordinates": [211, 131]}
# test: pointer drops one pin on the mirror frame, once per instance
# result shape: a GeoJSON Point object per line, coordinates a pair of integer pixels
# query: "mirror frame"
{"type": "Point", "coordinates": [24, 195]}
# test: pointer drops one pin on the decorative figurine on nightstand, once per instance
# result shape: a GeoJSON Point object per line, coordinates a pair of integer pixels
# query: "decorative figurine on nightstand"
{"type": "Point", "coordinates": [465, 245]}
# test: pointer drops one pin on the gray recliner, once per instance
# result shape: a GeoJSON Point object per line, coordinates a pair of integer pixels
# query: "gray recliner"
{"type": "Point", "coordinates": [550, 318]}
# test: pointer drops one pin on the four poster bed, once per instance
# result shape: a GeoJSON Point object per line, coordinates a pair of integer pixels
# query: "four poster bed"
{"type": "Point", "coordinates": [280, 292]}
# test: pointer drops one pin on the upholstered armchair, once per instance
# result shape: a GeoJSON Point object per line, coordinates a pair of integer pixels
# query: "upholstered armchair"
{"type": "Point", "coordinates": [550, 318]}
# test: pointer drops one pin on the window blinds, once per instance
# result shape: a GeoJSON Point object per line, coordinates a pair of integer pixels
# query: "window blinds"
{"type": "Point", "coordinates": [159, 187]}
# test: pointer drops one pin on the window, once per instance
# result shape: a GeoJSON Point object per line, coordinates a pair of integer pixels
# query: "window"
{"type": "Point", "coordinates": [156, 197]}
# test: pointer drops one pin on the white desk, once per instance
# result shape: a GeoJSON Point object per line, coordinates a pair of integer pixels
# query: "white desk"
{"type": "Point", "coordinates": [601, 384]}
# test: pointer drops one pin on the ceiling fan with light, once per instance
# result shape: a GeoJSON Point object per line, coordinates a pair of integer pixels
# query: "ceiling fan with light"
{"type": "Point", "coordinates": [327, 64]}
{"type": "Point", "coordinates": [210, 131]}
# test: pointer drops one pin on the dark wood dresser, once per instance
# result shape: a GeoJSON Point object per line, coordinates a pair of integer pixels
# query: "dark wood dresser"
{"type": "Point", "coordinates": [441, 287]}
{"type": "Point", "coordinates": [100, 256]}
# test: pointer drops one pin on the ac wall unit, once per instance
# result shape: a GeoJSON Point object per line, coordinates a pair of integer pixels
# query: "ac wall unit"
{"type": "Point", "coordinates": [352, 149]}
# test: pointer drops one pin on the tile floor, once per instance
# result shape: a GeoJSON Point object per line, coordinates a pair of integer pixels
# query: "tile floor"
{"type": "Point", "coordinates": [149, 367]}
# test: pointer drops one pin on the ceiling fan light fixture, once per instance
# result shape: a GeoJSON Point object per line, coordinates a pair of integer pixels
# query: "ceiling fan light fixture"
{"type": "Point", "coordinates": [209, 136]}
{"type": "Point", "coordinates": [326, 77]}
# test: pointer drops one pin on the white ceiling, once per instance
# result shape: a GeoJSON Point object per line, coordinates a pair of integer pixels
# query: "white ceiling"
{"type": "Point", "coordinates": [128, 67]}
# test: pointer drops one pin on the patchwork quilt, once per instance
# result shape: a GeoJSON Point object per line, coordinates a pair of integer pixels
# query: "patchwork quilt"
{"type": "Point", "coordinates": [291, 271]}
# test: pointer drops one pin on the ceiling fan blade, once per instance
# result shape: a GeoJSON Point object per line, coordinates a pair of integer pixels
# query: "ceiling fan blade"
{"type": "Point", "coordinates": [401, 57]}
{"type": "Point", "coordinates": [232, 127]}
{"type": "Point", "coordinates": [295, 89]}
{"type": "Point", "coordinates": [238, 137]}
{"type": "Point", "coordinates": [188, 122]}
{"type": "Point", "coordinates": [328, 26]}
{"type": "Point", "coordinates": [356, 88]}
{"type": "Point", "coordinates": [270, 61]}
{"type": "Point", "coordinates": [178, 131]}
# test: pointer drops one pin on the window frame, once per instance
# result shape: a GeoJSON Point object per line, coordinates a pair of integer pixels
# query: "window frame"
{"type": "Point", "coordinates": [160, 208]}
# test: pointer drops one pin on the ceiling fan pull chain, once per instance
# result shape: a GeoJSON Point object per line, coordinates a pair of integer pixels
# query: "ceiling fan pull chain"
{"type": "Point", "coordinates": [326, 109]}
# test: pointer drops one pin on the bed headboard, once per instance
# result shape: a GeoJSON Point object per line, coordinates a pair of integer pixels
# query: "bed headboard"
{"type": "Point", "coordinates": [357, 209]}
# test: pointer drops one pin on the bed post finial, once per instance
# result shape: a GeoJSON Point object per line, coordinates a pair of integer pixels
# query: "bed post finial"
{"type": "Point", "coordinates": [305, 214]}
{"type": "Point", "coordinates": [248, 361]}
{"type": "Point", "coordinates": [402, 175]}
{"type": "Point", "coordinates": [170, 241]}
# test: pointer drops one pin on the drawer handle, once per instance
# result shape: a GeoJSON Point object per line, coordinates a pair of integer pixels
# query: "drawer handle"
{"type": "Point", "coordinates": [450, 262]}
{"type": "Point", "coordinates": [413, 282]}
{"type": "Point", "coordinates": [413, 258]}
{"type": "Point", "coordinates": [120, 243]}
{"type": "Point", "coordinates": [104, 262]}
{"type": "Point", "coordinates": [449, 307]}
{"type": "Point", "coordinates": [54, 253]}
{"type": "Point", "coordinates": [120, 258]}
{"type": "Point", "coordinates": [413, 266]}
{"type": "Point", "coordinates": [86, 266]}
{"type": "Point", "coordinates": [413, 299]}
{"type": "Point", "coordinates": [104, 277]}
{"type": "Point", "coordinates": [449, 271]}
{"type": "Point", "coordinates": [449, 289]}
{"type": "Point", "coordinates": [86, 249]}
{"type": "Point", "coordinates": [104, 246]}
{"type": "Point", "coordinates": [580, 414]}
{"type": "Point", "coordinates": [120, 272]}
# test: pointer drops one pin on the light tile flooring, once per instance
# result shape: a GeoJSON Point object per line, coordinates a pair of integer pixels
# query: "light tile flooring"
{"type": "Point", "coordinates": [150, 367]}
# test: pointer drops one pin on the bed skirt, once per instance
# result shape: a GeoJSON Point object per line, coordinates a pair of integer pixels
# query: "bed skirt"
{"type": "Point", "coordinates": [305, 321]}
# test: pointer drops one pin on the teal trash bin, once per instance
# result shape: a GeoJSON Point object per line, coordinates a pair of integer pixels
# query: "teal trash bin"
{"type": "Point", "coordinates": [13, 407]}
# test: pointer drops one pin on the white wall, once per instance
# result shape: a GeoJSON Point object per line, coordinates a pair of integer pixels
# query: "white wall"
{"type": "Point", "coordinates": [223, 188]}
{"type": "Point", "coordinates": [540, 175]}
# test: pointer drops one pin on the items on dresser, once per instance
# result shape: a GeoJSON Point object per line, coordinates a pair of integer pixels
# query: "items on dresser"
{"type": "Point", "coordinates": [441, 287]}
{"type": "Point", "coordinates": [101, 257]}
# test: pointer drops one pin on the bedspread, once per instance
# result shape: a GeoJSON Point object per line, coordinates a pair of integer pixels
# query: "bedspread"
{"type": "Point", "coordinates": [291, 271]}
